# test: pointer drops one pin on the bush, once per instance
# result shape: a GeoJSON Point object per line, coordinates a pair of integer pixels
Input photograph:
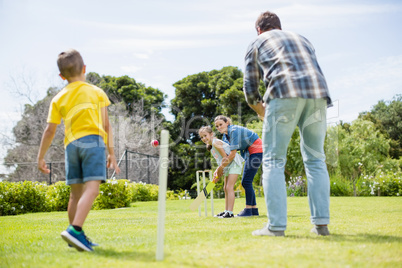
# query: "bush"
{"type": "Point", "coordinates": [340, 186]}
{"type": "Point", "coordinates": [144, 192]}
{"type": "Point", "coordinates": [297, 186]}
{"type": "Point", "coordinates": [22, 197]}
{"type": "Point", "coordinates": [177, 195]}
{"type": "Point", "coordinates": [58, 195]}
{"type": "Point", "coordinates": [113, 194]}
{"type": "Point", "coordinates": [383, 184]}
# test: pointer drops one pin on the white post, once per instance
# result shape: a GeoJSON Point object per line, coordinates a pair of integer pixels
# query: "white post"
{"type": "Point", "coordinates": [212, 194]}
{"type": "Point", "coordinates": [163, 170]}
{"type": "Point", "coordinates": [198, 190]}
{"type": "Point", "coordinates": [203, 186]}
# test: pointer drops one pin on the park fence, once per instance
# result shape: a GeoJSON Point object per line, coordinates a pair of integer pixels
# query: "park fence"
{"type": "Point", "coordinates": [134, 166]}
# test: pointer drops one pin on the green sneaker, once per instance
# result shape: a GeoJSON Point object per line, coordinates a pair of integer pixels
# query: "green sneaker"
{"type": "Point", "coordinates": [76, 239]}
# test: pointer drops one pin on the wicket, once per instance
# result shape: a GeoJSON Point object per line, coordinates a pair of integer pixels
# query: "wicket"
{"type": "Point", "coordinates": [203, 172]}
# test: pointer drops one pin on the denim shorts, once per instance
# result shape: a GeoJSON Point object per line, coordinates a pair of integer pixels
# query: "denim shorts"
{"type": "Point", "coordinates": [85, 160]}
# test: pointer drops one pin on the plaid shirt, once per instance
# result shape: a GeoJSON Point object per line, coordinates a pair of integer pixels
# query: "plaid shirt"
{"type": "Point", "coordinates": [288, 66]}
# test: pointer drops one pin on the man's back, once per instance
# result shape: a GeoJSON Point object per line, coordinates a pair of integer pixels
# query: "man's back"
{"type": "Point", "coordinates": [288, 64]}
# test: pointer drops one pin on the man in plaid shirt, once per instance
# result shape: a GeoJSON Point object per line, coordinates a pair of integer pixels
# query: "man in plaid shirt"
{"type": "Point", "coordinates": [296, 95]}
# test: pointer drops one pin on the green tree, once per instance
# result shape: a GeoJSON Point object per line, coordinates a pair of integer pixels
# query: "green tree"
{"type": "Point", "coordinates": [387, 117]}
{"type": "Point", "coordinates": [28, 133]}
{"type": "Point", "coordinates": [133, 126]}
{"type": "Point", "coordinates": [128, 90]}
{"type": "Point", "coordinates": [362, 150]}
{"type": "Point", "coordinates": [201, 97]}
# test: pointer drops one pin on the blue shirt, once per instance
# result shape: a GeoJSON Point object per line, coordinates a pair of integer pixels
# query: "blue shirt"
{"type": "Point", "coordinates": [239, 138]}
{"type": "Point", "coordinates": [287, 64]}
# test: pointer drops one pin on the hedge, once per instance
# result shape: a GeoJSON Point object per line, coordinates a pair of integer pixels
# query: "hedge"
{"type": "Point", "coordinates": [26, 197]}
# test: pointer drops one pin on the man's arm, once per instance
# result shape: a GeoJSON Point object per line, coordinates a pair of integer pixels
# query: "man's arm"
{"type": "Point", "coordinates": [251, 84]}
{"type": "Point", "coordinates": [111, 158]}
{"type": "Point", "coordinates": [45, 143]}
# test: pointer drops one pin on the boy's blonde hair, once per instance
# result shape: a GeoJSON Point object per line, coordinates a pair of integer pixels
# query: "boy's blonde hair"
{"type": "Point", "coordinates": [70, 63]}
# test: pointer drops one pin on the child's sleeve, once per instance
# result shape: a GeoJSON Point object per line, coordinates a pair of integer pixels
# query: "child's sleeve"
{"type": "Point", "coordinates": [54, 115]}
{"type": "Point", "coordinates": [103, 99]}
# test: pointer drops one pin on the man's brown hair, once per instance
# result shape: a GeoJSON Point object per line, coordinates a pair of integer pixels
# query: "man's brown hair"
{"type": "Point", "coordinates": [70, 63]}
{"type": "Point", "coordinates": [268, 20]}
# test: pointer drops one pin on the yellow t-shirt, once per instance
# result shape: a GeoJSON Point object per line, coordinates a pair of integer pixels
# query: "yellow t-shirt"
{"type": "Point", "coordinates": [79, 105]}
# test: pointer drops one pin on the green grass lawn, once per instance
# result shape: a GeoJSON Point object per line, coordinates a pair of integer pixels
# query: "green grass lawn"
{"type": "Point", "coordinates": [366, 232]}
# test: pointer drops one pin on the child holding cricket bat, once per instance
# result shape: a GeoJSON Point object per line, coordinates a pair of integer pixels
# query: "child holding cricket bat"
{"type": "Point", "coordinates": [219, 150]}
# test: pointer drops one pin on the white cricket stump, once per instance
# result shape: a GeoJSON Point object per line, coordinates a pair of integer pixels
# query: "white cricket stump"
{"type": "Point", "coordinates": [163, 171]}
{"type": "Point", "coordinates": [203, 172]}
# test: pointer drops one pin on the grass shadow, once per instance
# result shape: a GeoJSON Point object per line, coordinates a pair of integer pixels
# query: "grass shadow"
{"type": "Point", "coordinates": [130, 255]}
{"type": "Point", "coordinates": [356, 238]}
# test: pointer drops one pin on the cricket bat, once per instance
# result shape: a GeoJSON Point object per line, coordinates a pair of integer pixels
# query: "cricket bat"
{"type": "Point", "coordinates": [202, 195]}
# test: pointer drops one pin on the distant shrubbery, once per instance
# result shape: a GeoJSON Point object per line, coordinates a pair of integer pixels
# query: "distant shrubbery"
{"type": "Point", "coordinates": [381, 185]}
{"type": "Point", "coordinates": [25, 197]}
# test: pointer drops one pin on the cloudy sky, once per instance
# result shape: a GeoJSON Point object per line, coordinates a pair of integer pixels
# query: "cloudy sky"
{"type": "Point", "coordinates": [358, 44]}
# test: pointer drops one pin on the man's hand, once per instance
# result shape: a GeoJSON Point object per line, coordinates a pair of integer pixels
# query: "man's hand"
{"type": "Point", "coordinates": [259, 108]}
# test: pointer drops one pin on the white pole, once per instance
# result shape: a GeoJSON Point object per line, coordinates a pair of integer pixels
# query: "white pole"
{"type": "Point", "coordinates": [212, 194]}
{"type": "Point", "coordinates": [203, 186]}
{"type": "Point", "coordinates": [163, 169]}
{"type": "Point", "coordinates": [198, 190]}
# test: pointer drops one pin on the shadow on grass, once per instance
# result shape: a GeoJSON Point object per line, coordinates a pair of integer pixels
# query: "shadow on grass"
{"type": "Point", "coordinates": [126, 254]}
{"type": "Point", "coordinates": [358, 238]}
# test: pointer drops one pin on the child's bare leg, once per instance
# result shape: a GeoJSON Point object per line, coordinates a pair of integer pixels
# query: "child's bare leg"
{"type": "Point", "coordinates": [75, 195]}
{"type": "Point", "coordinates": [230, 195]}
{"type": "Point", "coordinates": [90, 192]}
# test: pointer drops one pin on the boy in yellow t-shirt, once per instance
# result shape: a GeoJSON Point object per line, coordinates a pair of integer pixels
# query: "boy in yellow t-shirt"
{"type": "Point", "coordinates": [83, 107]}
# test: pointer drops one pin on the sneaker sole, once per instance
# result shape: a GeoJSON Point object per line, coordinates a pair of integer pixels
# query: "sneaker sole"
{"type": "Point", "coordinates": [74, 242]}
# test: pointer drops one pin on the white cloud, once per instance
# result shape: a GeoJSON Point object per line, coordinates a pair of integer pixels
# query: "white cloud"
{"type": "Point", "coordinates": [131, 69]}
{"type": "Point", "coordinates": [142, 56]}
{"type": "Point", "coordinates": [134, 44]}
{"type": "Point", "coordinates": [363, 86]}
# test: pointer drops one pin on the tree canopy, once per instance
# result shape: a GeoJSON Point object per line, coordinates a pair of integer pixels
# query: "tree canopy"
{"type": "Point", "coordinates": [126, 89]}
{"type": "Point", "coordinates": [387, 117]}
{"type": "Point", "coordinates": [200, 97]}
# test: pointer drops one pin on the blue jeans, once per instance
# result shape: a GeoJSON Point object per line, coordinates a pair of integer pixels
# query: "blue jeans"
{"type": "Point", "coordinates": [85, 160]}
{"type": "Point", "coordinates": [251, 166]}
{"type": "Point", "coordinates": [281, 118]}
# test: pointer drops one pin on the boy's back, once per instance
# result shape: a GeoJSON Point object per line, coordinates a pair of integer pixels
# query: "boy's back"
{"type": "Point", "coordinates": [79, 105]}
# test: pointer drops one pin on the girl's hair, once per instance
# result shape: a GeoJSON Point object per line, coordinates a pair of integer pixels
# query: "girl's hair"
{"type": "Point", "coordinates": [224, 119]}
{"type": "Point", "coordinates": [207, 129]}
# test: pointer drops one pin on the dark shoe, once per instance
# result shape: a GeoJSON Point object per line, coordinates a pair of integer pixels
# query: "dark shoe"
{"type": "Point", "coordinates": [320, 230]}
{"type": "Point", "coordinates": [227, 215]}
{"type": "Point", "coordinates": [247, 212]}
{"type": "Point", "coordinates": [255, 212]}
{"type": "Point", "coordinates": [76, 239]}
{"type": "Point", "coordinates": [220, 214]}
